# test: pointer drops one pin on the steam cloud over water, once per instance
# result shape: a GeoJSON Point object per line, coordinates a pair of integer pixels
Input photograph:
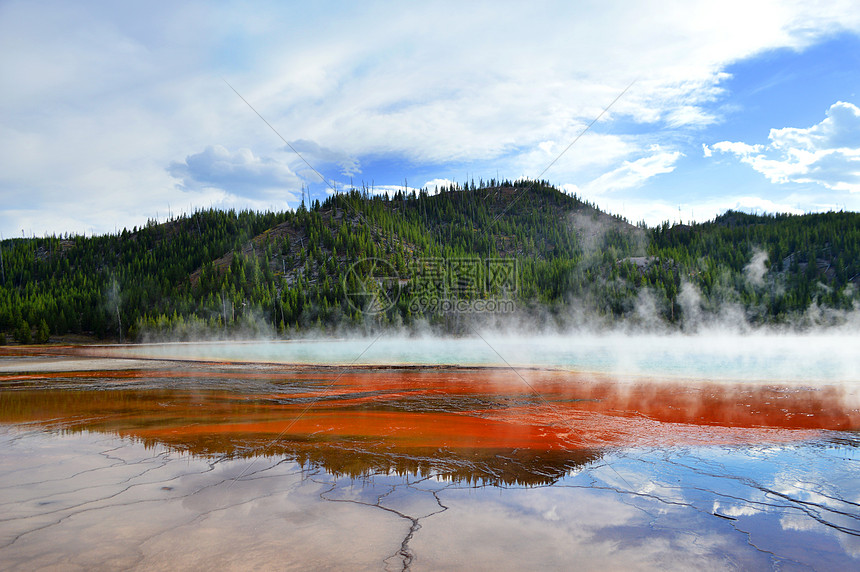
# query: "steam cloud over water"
{"type": "Point", "coordinates": [721, 356]}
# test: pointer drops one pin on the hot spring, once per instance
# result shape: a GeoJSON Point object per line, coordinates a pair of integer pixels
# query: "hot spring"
{"type": "Point", "coordinates": [494, 452]}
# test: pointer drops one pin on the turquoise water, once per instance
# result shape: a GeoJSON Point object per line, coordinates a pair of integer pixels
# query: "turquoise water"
{"type": "Point", "coordinates": [793, 358]}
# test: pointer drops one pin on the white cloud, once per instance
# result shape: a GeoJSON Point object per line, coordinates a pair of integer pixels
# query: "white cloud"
{"type": "Point", "coordinates": [319, 157]}
{"type": "Point", "coordinates": [654, 212]}
{"type": "Point", "coordinates": [633, 173]}
{"type": "Point", "coordinates": [240, 173]}
{"type": "Point", "coordinates": [839, 130]}
{"type": "Point", "coordinates": [390, 190]}
{"type": "Point", "coordinates": [101, 99]}
{"type": "Point", "coordinates": [690, 115]}
{"type": "Point", "coordinates": [559, 157]}
{"type": "Point", "coordinates": [826, 154]}
{"type": "Point", "coordinates": [434, 184]}
{"type": "Point", "coordinates": [737, 148]}
{"type": "Point", "coordinates": [758, 205]}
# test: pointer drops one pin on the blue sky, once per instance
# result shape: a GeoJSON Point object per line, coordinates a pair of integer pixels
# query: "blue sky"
{"type": "Point", "coordinates": [116, 114]}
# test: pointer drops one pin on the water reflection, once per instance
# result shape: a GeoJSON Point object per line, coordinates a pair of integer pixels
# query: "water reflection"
{"type": "Point", "coordinates": [210, 465]}
{"type": "Point", "coordinates": [89, 500]}
{"type": "Point", "coordinates": [468, 424]}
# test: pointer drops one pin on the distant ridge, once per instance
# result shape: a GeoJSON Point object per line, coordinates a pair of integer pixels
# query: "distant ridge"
{"type": "Point", "coordinates": [416, 260]}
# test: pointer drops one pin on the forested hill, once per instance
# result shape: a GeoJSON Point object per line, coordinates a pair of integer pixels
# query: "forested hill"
{"type": "Point", "coordinates": [499, 251]}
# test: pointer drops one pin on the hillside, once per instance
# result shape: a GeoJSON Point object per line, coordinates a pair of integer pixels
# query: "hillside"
{"type": "Point", "coordinates": [495, 251]}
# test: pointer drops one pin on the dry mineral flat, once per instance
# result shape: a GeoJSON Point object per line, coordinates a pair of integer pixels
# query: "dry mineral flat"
{"type": "Point", "coordinates": [44, 364]}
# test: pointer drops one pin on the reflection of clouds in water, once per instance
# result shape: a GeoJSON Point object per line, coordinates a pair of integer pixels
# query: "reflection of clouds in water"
{"type": "Point", "coordinates": [569, 527]}
{"type": "Point", "coordinates": [819, 492]}
{"type": "Point", "coordinates": [808, 490]}
{"type": "Point", "coordinates": [800, 523]}
{"type": "Point", "coordinates": [552, 513]}
{"type": "Point", "coordinates": [734, 510]}
{"type": "Point", "coordinates": [109, 502]}
{"type": "Point", "coordinates": [627, 475]}
{"type": "Point", "coordinates": [99, 502]}
{"type": "Point", "coordinates": [508, 529]}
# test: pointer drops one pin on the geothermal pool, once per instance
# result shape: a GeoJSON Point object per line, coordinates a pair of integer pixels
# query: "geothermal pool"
{"type": "Point", "coordinates": [611, 452]}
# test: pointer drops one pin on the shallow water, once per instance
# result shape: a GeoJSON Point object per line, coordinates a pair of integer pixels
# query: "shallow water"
{"type": "Point", "coordinates": [714, 356]}
{"type": "Point", "coordinates": [185, 464]}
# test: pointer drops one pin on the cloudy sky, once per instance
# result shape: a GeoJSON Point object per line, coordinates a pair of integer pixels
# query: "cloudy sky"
{"type": "Point", "coordinates": [114, 113]}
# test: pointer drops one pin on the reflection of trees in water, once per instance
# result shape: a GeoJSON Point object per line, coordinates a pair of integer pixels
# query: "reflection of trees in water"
{"type": "Point", "coordinates": [470, 426]}
{"type": "Point", "coordinates": [473, 466]}
{"type": "Point", "coordinates": [524, 467]}
{"type": "Point", "coordinates": [208, 426]}
{"type": "Point", "coordinates": [846, 440]}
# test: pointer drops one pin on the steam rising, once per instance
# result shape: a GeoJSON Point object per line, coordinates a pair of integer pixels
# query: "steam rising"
{"type": "Point", "coordinates": [826, 357]}
{"type": "Point", "coordinates": [756, 268]}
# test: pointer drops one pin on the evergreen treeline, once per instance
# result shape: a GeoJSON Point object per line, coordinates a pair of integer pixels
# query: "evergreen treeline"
{"type": "Point", "coordinates": [802, 261]}
{"type": "Point", "coordinates": [358, 259]}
